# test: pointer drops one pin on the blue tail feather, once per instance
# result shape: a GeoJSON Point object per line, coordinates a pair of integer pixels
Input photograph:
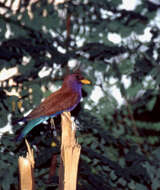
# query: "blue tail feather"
{"type": "Point", "coordinates": [30, 125]}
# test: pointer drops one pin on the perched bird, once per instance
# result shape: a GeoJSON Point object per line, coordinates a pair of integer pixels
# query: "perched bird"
{"type": "Point", "coordinates": [64, 99]}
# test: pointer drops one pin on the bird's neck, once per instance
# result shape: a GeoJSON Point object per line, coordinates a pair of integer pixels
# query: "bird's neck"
{"type": "Point", "coordinates": [76, 87]}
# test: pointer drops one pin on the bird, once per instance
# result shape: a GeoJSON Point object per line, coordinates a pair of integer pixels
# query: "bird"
{"type": "Point", "coordinates": [63, 100]}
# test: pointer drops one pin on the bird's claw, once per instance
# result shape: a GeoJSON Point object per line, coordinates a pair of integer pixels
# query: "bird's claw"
{"type": "Point", "coordinates": [53, 127]}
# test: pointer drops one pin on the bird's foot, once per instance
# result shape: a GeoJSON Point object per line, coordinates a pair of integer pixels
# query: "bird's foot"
{"type": "Point", "coordinates": [72, 120]}
{"type": "Point", "coordinates": [74, 125]}
{"type": "Point", "coordinates": [53, 127]}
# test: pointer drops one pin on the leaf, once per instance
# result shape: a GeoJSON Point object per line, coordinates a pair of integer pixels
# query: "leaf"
{"type": "Point", "coordinates": [37, 94]}
{"type": "Point", "coordinates": [115, 3]}
{"type": "Point", "coordinates": [3, 115]}
{"type": "Point", "coordinates": [151, 103]}
{"type": "Point", "coordinates": [114, 26]}
{"type": "Point", "coordinates": [134, 89]}
{"type": "Point", "coordinates": [140, 187]}
{"type": "Point", "coordinates": [139, 28]}
{"type": "Point", "coordinates": [156, 153]}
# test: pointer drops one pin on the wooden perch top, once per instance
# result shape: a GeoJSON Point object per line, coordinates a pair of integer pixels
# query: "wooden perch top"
{"type": "Point", "coordinates": [68, 133]}
{"type": "Point", "coordinates": [70, 154]}
{"type": "Point", "coordinates": [26, 167]}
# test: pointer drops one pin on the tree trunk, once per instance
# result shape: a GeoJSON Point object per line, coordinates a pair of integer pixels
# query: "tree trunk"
{"type": "Point", "coordinates": [70, 154]}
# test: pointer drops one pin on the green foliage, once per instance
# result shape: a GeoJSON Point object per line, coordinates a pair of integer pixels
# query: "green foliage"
{"type": "Point", "coordinates": [119, 142]}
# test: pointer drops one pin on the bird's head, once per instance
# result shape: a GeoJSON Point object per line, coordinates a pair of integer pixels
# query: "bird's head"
{"type": "Point", "coordinates": [75, 81]}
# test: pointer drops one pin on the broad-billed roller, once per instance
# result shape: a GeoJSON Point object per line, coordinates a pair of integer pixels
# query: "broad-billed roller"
{"type": "Point", "coordinates": [64, 99]}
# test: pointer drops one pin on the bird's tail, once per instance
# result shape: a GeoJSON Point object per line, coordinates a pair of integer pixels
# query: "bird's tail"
{"type": "Point", "coordinates": [29, 127]}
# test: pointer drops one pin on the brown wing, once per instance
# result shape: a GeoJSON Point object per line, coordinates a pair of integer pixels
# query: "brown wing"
{"type": "Point", "coordinates": [60, 100]}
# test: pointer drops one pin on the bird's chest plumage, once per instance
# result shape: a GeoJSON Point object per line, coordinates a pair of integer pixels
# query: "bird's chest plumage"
{"type": "Point", "coordinates": [77, 94]}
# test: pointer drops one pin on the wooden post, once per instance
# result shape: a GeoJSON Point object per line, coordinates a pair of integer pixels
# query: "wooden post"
{"type": "Point", "coordinates": [70, 154]}
{"type": "Point", "coordinates": [26, 167]}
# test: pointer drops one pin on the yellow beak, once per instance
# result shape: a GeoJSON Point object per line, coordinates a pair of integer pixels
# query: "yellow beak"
{"type": "Point", "coordinates": [85, 81]}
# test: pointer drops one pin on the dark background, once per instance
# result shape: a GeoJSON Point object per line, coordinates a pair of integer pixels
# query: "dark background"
{"type": "Point", "coordinates": [120, 144]}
